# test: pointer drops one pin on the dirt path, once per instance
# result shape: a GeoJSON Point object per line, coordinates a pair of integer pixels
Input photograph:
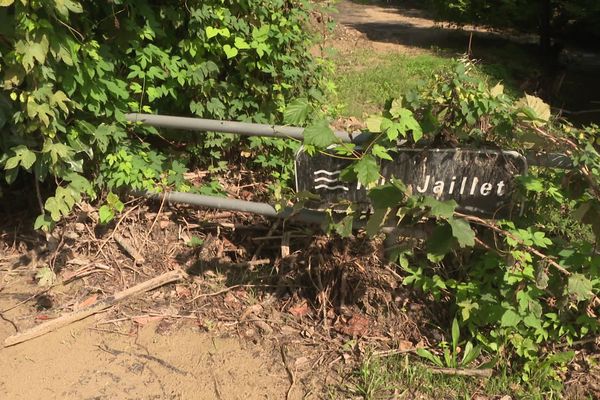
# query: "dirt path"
{"type": "Point", "coordinates": [81, 362]}
{"type": "Point", "coordinates": [407, 29]}
{"type": "Point", "coordinates": [571, 87]}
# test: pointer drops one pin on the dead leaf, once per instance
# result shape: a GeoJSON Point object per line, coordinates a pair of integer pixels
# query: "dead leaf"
{"type": "Point", "coordinates": [358, 325]}
{"type": "Point", "coordinates": [255, 309]}
{"type": "Point", "coordinates": [299, 310]}
{"type": "Point", "coordinates": [405, 345]}
{"type": "Point", "coordinates": [183, 292]}
{"type": "Point", "coordinates": [164, 224]}
{"type": "Point", "coordinates": [87, 302]}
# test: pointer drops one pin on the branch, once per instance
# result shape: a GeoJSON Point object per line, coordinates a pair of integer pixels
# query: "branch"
{"type": "Point", "coordinates": [75, 316]}
{"type": "Point", "coordinates": [495, 228]}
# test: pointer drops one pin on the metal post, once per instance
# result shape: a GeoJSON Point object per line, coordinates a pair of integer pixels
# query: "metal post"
{"type": "Point", "coordinates": [224, 203]}
{"type": "Point", "coordinates": [239, 128]}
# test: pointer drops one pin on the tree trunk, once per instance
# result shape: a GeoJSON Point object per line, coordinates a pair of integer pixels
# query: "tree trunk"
{"type": "Point", "coordinates": [545, 27]}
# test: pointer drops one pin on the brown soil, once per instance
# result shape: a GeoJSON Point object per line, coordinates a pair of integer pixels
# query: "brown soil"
{"type": "Point", "coordinates": [268, 311]}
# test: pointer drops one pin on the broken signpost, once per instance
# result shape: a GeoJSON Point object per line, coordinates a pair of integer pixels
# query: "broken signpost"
{"type": "Point", "coordinates": [482, 182]}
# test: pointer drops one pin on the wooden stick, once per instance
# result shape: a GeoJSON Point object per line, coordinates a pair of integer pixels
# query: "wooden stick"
{"type": "Point", "coordinates": [75, 316]}
{"type": "Point", "coordinates": [483, 373]}
{"type": "Point", "coordinates": [137, 257]}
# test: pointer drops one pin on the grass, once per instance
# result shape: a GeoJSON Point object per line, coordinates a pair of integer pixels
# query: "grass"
{"type": "Point", "coordinates": [364, 80]}
{"type": "Point", "coordinates": [403, 377]}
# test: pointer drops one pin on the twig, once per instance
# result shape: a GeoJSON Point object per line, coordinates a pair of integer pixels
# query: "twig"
{"type": "Point", "coordinates": [115, 229]}
{"type": "Point", "coordinates": [251, 263]}
{"type": "Point", "coordinates": [483, 373]}
{"type": "Point", "coordinates": [70, 318]}
{"type": "Point", "coordinates": [137, 257]}
{"type": "Point", "coordinates": [393, 352]}
{"type": "Point", "coordinates": [227, 289]}
{"type": "Point", "coordinates": [289, 371]}
{"type": "Point", "coordinates": [162, 203]}
{"type": "Point", "coordinates": [269, 234]}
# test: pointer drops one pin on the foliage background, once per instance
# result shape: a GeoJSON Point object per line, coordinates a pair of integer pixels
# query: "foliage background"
{"type": "Point", "coordinates": [70, 71]}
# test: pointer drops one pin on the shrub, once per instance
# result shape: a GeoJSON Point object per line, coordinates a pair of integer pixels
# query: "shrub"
{"type": "Point", "coordinates": [70, 70]}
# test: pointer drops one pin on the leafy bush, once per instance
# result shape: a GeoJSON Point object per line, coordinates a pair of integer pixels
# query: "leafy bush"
{"type": "Point", "coordinates": [70, 70]}
{"type": "Point", "coordinates": [518, 286]}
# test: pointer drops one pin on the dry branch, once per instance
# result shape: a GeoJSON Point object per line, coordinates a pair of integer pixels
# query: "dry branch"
{"type": "Point", "coordinates": [128, 247]}
{"type": "Point", "coordinates": [75, 316]}
{"type": "Point", "coordinates": [483, 373]}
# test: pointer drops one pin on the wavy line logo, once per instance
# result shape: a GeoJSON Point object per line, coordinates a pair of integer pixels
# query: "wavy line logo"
{"type": "Point", "coordinates": [328, 180]}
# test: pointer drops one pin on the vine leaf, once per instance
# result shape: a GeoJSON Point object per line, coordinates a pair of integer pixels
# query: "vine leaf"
{"type": "Point", "coordinates": [386, 196]}
{"type": "Point", "coordinates": [296, 112]}
{"type": "Point", "coordinates": [580, 287]}
{"type": "Point", "coordinates": [441, 209]}
{"type": "Point", "coordinates": [319, 134]}
{"type": "Point", "coordinates": [374, 123]}
{"type": "Point", "coordinates": [22, 156]}
{"type": "Point", "coordinates": [381, 152]}
{"type": "Point", "coordinates": [462, 231]}
{"type": "Point", "coordinates": [230, 52]}
{"type": "Point", "coordinates": [367, 170]}
{"type": "Point", "coordinates": [344, 227]}
{"type": "Point", "coordinates": [535, 108]}
{"type": "Point", "coordinates": [409, 123]}
{"type": "Point", "coordinates": [440, 243]}
{"type": "Point", "coordinates": [510, 318]}
{"type": "Point", "coordinates": [376, 221]}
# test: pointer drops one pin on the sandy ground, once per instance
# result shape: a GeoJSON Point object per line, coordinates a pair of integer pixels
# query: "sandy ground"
{"type": "Point", "coordinates": [79, 362]}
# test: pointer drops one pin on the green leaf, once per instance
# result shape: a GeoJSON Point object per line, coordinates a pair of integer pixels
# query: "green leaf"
{"type": "Point", "coordinates": [407, 123]}
{"type": "Point", "coordinates": [455, 334]}
{"type": "Point", "coordinates": [344, 227]}
{"type": "Point", "coordinates": [319, 134]}
{"type": "Point", "coordinates": [45, 276]}
{"type": "Point", "coordinates": [241, 44]}
{"type": "Point", "coordinates": [297, 111]}
{"type": "Point", "coordinates": [440, 209]}
{"type": "Point", "coordinates": [6, 3]}
{"type": "Point", "coordinates": [470, 354]}
{"type": "Point", "coordinates": [105, 214]}
{"type": "Point", "coordinates": [367, 170]}
{"type": "Point", "coordinates": [440, 243]}
{"type": "Point", "coordinates": [531, 183]}
{"type": "Point", "coordinates": [374, 123]}
{"type": "Point", "coordinates": [43, 222]}
{"type": "Point", "coordinates": [23, 156]}
{"type": "Point", "coordinates": [429, 356]}
{"type": "Point", "coordinates": [211, 32]}
{"type": "Point", "coordinates": [388, 195]}
{"type": "Point", "coordinates": [376, 221]}
{"type": "Point", "coordinates": [64, 6]}
{"type": "Point", "coordinates": [497, 90]}
{"type": "Point", "coordinates": [462, 231]}
{"type": "Point", "coordinates": [381, 152]}
{"type": "Point", "coordinates": [580, 286]}
{"type": "Point", "coordinates": [230, 52]}
{"type": "Point", "coordinates": [32, 51]}
{"type": "Point", "coordinates": [510, 319]}
{"type": "Point", "coordinates": [58, 99]}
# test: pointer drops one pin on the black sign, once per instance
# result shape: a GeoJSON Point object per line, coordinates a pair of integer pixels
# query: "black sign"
{"type": "Point", "coordinates": [480, 181]}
